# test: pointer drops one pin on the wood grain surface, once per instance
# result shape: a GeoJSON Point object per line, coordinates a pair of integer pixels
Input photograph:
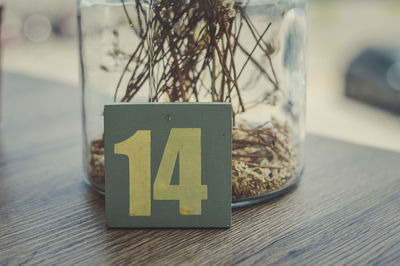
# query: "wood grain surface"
{"type": "Point", "coordinates": [345, 210]}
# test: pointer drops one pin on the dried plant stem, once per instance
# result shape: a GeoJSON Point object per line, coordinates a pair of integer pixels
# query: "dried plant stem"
{"type": "Point", "coordinates": [178, 49]}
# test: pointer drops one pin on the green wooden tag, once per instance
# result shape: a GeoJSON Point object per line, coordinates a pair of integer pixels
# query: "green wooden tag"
{"type": "Point", "coordinates": [168, 164]}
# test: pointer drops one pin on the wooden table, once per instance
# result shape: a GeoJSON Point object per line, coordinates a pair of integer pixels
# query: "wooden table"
{"type": "Point", "coordinates": [346, 208]}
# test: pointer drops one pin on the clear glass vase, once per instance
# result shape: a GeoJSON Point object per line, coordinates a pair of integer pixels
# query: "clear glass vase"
{"type": "Point", "coordinates": [249, 53]}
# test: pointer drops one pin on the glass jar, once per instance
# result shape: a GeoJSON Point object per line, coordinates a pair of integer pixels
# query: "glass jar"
{"type": "Point", "coordinates": [249, 53]}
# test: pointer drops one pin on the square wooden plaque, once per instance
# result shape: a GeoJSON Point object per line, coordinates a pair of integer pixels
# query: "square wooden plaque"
{"type": "Point", "coordinates": [168, 164]}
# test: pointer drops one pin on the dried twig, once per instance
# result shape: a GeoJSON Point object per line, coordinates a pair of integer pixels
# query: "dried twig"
{"type": "Point", "coordinates": [193, 41]}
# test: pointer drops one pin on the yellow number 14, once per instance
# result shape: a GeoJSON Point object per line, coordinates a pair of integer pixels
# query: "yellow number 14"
{"type": "Point", "coordinates": [190, 192]}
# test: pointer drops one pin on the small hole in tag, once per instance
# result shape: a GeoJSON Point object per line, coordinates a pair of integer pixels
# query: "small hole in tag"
{"type": "Point", "coordinates": [168, 117]}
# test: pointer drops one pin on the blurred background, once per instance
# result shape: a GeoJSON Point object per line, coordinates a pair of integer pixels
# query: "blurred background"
{"type": "Point", "coordinates": [40, 39]}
